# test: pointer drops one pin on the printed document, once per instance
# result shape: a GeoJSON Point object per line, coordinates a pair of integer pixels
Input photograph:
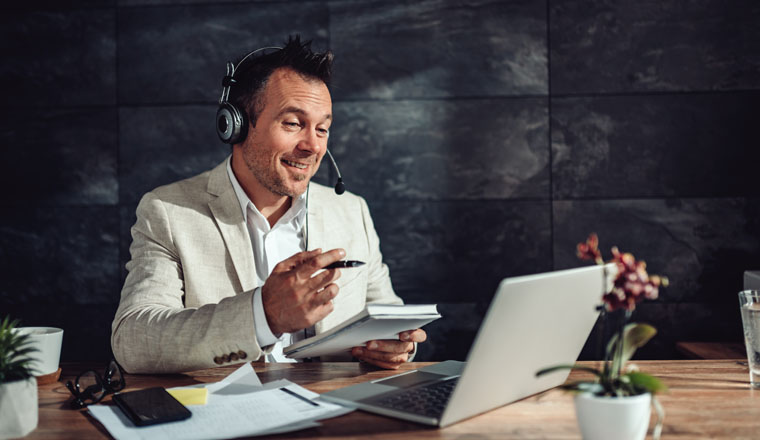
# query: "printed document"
{"type": "Point", "coordinates": [235, 408]}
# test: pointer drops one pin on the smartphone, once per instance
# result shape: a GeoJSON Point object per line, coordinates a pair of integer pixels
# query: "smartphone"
{"type": "Point", "coordinates": [151, 406]}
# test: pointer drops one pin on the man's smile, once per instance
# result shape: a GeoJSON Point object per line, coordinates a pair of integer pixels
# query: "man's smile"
{"type": "Point", "coordinates": [293, 164]}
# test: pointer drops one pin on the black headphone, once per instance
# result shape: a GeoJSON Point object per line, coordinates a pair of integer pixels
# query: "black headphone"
{"type": "Point", "coordinates": [231, 121]}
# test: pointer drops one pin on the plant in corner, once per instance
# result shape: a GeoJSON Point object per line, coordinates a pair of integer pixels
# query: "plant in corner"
{"type": "Point", "coordinates": [616, 404]}
{"type": "Point", "coordinates": [18, 387]}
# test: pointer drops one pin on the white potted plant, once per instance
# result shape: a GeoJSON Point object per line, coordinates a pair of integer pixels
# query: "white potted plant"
{"type": "Point", "coordinates": [617, 403]}
{"type": "Point", "coordinates": [18, 387]}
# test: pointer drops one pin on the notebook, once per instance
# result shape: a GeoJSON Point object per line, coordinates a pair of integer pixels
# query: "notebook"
{"type": "Point", "coordinates": [533, 322]}
{"type": "Point", "coordinates": [376, 321]}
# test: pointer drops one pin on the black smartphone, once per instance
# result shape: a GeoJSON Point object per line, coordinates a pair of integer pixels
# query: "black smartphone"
{"type": "Point", "coordinates": [151, 406]}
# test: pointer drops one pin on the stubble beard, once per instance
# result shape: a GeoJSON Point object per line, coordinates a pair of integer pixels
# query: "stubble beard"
{"type": "Point", "coordinates": [268, 178]}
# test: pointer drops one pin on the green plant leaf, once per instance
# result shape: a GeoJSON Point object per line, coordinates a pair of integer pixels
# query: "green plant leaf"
{"type": "Point", "coordinates": [578, 386]}
{"type": "Point", "coordinates": [643, 381]}
{"type": "Point", "coordinates": [14, 352]}
{"type": "Point", "coordinates": [636, 335]}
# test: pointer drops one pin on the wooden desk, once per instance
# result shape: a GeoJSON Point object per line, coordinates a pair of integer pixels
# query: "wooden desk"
{"type": "Point", "coordinates": [707, 399]}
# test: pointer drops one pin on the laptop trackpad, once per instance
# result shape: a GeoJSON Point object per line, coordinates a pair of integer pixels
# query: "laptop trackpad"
{"type": "Point", "coordinates": [410, 379]}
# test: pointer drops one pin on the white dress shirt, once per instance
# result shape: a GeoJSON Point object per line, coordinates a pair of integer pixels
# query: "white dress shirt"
{"type": "Point", "coordinates": [270, 246]}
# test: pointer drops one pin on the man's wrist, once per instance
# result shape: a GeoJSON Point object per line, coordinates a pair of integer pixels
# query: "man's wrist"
{"type": "Point", "coordinates": [264, 334]}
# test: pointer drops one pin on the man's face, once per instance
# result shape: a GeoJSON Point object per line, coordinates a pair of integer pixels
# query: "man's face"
{"type": "Point", "coordinates": [285, 148]}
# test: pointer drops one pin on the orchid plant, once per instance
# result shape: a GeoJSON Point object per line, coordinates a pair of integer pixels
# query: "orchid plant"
{"type": "Point", "coordinates": [631, 285]}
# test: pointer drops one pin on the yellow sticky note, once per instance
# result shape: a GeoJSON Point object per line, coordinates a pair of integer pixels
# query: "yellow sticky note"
{"type": "Point", "coordinates": [190, 396]}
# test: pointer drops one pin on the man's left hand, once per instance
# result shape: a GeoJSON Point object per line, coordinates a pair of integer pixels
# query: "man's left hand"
{"type": "Point", "coordinates": [390, 353]}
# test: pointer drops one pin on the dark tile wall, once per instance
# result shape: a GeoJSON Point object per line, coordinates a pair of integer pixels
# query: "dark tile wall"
{"type": "Point", "coordinates": [487, 136]}
{"type": "Point", "coordinates": [614, 46]}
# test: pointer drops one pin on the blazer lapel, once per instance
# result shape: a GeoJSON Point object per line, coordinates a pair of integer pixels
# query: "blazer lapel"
{"type": "Point", "coordinates": [229, 218]}
{"type": "Point", "coordinates": [315, 226]}
{"type": "Point", "coordinates": [316, 238]}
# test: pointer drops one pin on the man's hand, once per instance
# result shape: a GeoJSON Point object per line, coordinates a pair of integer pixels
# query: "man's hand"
{"type": "Point", "coordinates": [390, 353]}
{"type": "Point", "coordinates": [293, 299]}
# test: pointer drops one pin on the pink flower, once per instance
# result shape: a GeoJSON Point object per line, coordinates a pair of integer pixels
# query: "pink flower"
{"type": "Point", "coordinates": [590, 249]}
{"type": "Point", "coordinates": [631, 285]}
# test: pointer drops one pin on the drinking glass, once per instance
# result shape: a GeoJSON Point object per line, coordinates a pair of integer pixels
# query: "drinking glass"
{"type": "Point", "coordinates": [749, 303]}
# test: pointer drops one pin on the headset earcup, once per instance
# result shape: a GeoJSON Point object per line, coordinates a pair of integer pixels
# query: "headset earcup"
{"type": "Point", "coordinates": [231, 124]}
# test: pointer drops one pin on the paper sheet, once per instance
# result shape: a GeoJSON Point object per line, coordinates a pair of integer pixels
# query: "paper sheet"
{"type": "Point", "coordinates": [236, 408]}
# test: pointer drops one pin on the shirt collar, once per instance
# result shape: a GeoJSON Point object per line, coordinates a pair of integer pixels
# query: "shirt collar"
{"type": "Point", "coordinates": [296, 212]}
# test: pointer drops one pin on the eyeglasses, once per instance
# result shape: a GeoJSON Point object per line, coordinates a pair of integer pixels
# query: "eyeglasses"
{"type": "Point", "coordinates": [90, 387]}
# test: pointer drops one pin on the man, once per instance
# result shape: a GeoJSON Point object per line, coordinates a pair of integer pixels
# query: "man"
{"type": "Point", "coordinates": [227, 266]}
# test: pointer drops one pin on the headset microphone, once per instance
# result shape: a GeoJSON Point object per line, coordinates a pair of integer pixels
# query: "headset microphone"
{"type": "Point", "coordinates": [340, 188]}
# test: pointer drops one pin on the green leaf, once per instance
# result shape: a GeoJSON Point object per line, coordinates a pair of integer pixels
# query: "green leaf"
{"type": "Point", "coordinates": [14, 352]}
{"type": "Point", "coordinates": [635, 335]}
{"type": "Point", "coordinates": [578, 386]}
{"type": "Point", "coordinates": [643, 381]}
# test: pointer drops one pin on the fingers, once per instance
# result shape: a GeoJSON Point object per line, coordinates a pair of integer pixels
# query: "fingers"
{"type": "Point", "coordinates": [320, 311]}
{"type": "Point", "coordinates": [295, 260]}
{"type": "Point", "coordinates": [322, 279]}
{"type": "Point", "coordinates": [380, 358]}
{"type": "Point", "coordinates": [325, 295]}
{"type": "Point", "coordinates": [390, 353]}
{"type": "Point", "coordinates": [390, 346]}
{"type": "Point", "coordinates": [417, 335]}
{"type": "Point", "coordinates": [319, 261]}
{"type": "Point", "coordinates": [293, 297]}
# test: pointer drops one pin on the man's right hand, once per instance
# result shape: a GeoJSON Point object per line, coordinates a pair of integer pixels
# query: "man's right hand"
{"type": "Point", "coordinates": [293, 299]}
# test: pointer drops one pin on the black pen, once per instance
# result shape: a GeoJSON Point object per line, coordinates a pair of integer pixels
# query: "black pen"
{"type": "Point", "coordinates": [298, 396]}
{"type": "Point", "coordinates": [345, 264]}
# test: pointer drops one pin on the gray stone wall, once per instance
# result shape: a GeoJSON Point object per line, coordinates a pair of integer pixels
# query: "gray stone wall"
{"type": "Point", "coordinates": [487, 136]}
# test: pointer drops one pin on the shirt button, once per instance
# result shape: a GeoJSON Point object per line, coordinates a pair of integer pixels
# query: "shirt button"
{"type": "Point", "coordinates": [242, 354]}
{"type": "Point", "coordinates": [234, 357]}
{"type": "Point", "coordinates": [218, 360]}
{"type": "Point", "coordinates": [226, 358]}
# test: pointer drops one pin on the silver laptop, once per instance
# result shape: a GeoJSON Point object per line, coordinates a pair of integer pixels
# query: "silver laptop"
{"type": "Point", "coordinates": [533, 322]}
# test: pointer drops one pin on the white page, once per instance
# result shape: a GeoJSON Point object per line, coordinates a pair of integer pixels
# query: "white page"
{"type": "Point", "coordinates": [238, 405]}
{"type": "Point", "coordinates": [376, 321]}
{"type": "Point", "coordinates": [380, 327]}
{"type": "Point", "coordinates": [243, 375]}
{"type": "Point", "coordinates": [256, 413]}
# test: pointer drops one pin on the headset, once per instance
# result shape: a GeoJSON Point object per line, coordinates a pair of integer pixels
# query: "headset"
{"type": "Point", "coordinates": [232, 122]}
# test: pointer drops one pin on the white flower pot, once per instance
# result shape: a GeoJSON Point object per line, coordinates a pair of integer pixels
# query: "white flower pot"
{"type": "Point", "coordinates": [621, 418]}
{"type": "Point", "coordinates": [18, 403]}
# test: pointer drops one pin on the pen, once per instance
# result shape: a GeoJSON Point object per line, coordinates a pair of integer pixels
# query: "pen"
{"type": "Point", "coordinates": [344, 264]}
{"type": "Point", "coordinates": [298, 396]}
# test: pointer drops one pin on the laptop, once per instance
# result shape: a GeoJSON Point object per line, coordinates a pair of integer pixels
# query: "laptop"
{"type": "Point", "coordinates": [533, 322]}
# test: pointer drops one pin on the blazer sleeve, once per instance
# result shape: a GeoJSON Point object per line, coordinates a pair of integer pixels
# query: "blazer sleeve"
{"type": "Point", "coordinates": [153, 331]}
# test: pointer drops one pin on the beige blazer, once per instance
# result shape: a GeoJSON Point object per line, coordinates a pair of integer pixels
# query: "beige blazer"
{"type": "Point", "coordinates": [187, 299]}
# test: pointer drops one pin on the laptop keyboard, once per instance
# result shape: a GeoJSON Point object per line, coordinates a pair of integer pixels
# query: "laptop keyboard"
{"type": "Point", "coordinates": [428, 400]}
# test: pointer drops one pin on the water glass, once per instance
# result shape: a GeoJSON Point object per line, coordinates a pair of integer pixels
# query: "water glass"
{"type": "Point", "coordinates": [749, 303]}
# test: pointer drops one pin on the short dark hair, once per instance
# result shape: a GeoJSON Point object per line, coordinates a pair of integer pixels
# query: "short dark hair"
{"type": "Point", "coordinates": [252, 76]}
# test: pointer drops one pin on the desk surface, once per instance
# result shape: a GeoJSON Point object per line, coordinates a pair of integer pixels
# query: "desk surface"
{"type": "Point", "coordinates": [707, 399]}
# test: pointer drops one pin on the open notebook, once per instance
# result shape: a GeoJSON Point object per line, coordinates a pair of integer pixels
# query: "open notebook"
{"type": "Point", "coordinates": [376, 321]}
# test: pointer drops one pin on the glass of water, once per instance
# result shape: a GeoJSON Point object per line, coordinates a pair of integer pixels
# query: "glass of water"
{"type": "Point", "coordinates": [749, 302]}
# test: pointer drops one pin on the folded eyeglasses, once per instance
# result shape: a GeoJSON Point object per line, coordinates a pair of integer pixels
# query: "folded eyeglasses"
{"type": "Point", "coordinates": [90, 387]}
